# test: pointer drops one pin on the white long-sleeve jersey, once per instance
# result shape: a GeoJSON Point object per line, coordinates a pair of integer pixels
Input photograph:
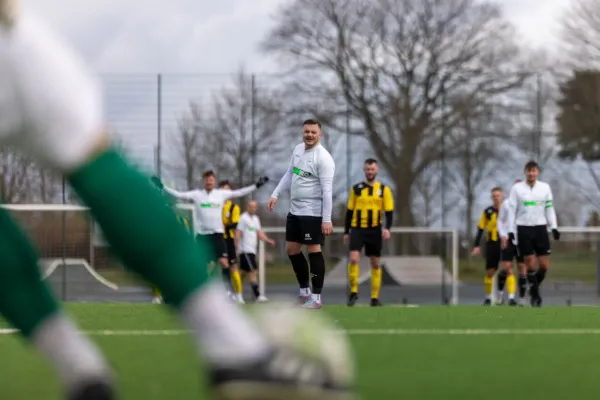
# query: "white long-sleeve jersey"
{"type": "Point", "coordinates": [209, 206]}
{"type": "Point", "coordinates": [531, 206]}
{"type": "Point", "coordinates": [309, 178]}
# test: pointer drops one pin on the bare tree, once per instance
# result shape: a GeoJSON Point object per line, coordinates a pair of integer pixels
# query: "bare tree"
{"type": "Point", "coordinates": [426, 197]}
{"type": "Point", "coordinates": [251, 125]}
{"type": "Point", "coordinates": [394, 61]}
{"type": "Point", "coordinates": [15, 177]}
{"type": "Point", "coordinates": [195, 146]}
{"type": "Point", "coordinates": [581, 34]}
{"type": "Point", "coordinates": [477, 158]}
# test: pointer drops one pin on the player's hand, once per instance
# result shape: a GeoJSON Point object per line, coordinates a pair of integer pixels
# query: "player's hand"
{"type": "Point", "coordinates": [476, 251]}
{"type": "Point", "coordinates": [271, 204]}
{"type": "Point", "coordinates": [555, 234]}
{"type": "Point", "coordinates": [511, 237]}
{"type": "Point", "coordinates": [327, 228]}
{"type": "Point", "coordinates": [157, 182]}
{"type": "Point", "coordinates": [504, 242]}
{"type": "Point", "coordinates": [271, 242]}
{"type": "Point", "coordinates": [261, 181]}
{"type": "Point", "coordinates": [386, 234]}
{"type": "Point", "coordinates": [346, 238]}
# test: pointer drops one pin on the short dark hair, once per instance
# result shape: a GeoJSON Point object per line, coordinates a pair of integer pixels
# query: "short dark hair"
{"type": "Point", "coordinates": [531, 165]}
{"type": "Point", "coordinates": [370, 161]}
{"type": "Point", "coordinates": [496, 189]}
{"type": "Point", "coordinates": [208, 173]}
{"type": "Point", "coordinates": [311, 121]}
{"type": "Point", "coordinates": [225, 183]}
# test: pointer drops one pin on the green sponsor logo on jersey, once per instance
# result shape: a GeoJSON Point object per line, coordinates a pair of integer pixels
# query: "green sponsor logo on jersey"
{"type": "Point", "coordinates": [251, 228]}
{"type": "Point", "coordinates": [303, 174]}
{"type": "Point", "coordinates": [534, 203]}
{"type": "Point", "coordinates": [208, 205]}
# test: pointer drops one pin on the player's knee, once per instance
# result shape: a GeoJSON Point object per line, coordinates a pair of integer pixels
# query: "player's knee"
{"type": "Point", "coordinates": [375, 262]}
{"type": "Point", "coordinates": [252, 277]}
{"type": "Point", "coordinates": [544, 262]}
{"type": "Point", "coordinates": [491, 272]}
{"type": "Point", "coordinates": [224, 263]}
{"type": "Point", "coordinates": [354, 257]}
{"type": "Point", "coordinates": [314, 248]}
{"type": "Point", "coordinates": [292, 248]}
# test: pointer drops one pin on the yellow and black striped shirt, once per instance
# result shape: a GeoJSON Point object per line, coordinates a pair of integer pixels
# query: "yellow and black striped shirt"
{"type": "Point", "coordinates": [231, 217]}
{"type": "Point", "coordinates": [367, 204]}
{"type": "Point", "coordinates": [488, 222]}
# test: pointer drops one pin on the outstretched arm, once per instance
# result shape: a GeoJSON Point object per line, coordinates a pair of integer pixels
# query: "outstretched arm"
{"type": "Point", "coordinates": [234, 194]}
{"type": "Point", "coordinates": [180, 195]}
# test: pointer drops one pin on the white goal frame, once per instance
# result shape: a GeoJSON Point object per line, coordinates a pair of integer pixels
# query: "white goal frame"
{"type": "Point", "coordinates": [454, 245]}
{"type": "Point", "coordinates": [96, 239]}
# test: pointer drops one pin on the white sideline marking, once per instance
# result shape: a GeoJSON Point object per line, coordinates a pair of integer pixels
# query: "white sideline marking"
{"type": "Point", "coordinates": [360, 332]}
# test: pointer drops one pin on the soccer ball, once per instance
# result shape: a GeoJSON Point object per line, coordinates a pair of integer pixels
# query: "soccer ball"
{"type": "Point", "coordinates": [311, 333]}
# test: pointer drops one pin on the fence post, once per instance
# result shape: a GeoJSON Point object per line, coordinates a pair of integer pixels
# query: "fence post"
{"type": "Point", "coordinates": [159, 126]}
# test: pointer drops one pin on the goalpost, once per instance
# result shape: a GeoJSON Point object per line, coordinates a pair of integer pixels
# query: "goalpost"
{"type": "Point", "coordinates": [421, 240]}
{"type": "Point", "coordinates": [66, 231]}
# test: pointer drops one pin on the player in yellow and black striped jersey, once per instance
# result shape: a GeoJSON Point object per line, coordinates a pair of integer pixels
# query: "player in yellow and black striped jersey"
{"type": "Point", "coordinates": [231, 217]}
{"type": "Point", "coordinates": [368, 203]}
{"type": "Point", "coordinates": [493, 250]}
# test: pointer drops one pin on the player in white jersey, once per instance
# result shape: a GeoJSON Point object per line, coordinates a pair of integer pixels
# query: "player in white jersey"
{"type": "Point", "coordinates": [309, 178]}
{"type": "Point", "coordinates": [209, 216]}
{"type": "Point", "coordinates": [531, 213]}
{"type": "Point", "coordinates": [249, 232]}
{"type": "Point", "coordinates": [51, 110]}
{"type": "Point", "coordinates": [508, 254]}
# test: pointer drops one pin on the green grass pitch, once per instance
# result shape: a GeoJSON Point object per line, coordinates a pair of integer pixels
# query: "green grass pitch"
{"type": "Point", "coordinates": [402, 353]}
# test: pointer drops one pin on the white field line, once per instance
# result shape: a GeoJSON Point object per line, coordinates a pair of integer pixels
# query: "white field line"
{"type": "Point", "coordinates": [361, 332]}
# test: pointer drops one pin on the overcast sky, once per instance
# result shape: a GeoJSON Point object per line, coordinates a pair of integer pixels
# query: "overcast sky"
{"type": "Point", "coordinates": [191, 36]}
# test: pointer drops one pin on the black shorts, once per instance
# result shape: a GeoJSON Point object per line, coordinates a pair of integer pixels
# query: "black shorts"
{"type": "Point", "coordinates": [369, 238]}
{"type": "Point", "coordinates": [248, 262]}
{"type": "Point", "coordinates": [217, 242]}
{"type": "Point", "coordinates": [231, 253]}
{"type": "Point", "coordinates": [511, 253]}
{"type": "Point", "coordinates": [493, 251]}
{"type": "Point", "coordinates": [304, 230]}
{"type": "Point", "coordinates": [533, 240]}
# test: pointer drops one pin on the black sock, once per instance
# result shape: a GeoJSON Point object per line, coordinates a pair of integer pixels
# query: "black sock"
{"type": "Point", "coordinates": [522, 285]}
{"type": "Point", "coordinates": [226, 275]}
{"type": "Point", "coordinates": [540, 275]}
{"type": "Point", "coordinates": [533, 282]}
{"type": "Point", "coordinates": [317, 269]}
{"type": "Point", "coordinates": [300, 266]}
{"type": "Point", "coordinates": [501, 280]}
{"type": "Point", "coordinates": [255, 290]}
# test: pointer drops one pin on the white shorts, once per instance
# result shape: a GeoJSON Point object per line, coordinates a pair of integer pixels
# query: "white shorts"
{"type": "Point", "coordinates": [50, 105]}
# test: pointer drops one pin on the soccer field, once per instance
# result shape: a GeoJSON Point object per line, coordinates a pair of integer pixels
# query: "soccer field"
{"type": "Point", "coordinates": [402, 353]}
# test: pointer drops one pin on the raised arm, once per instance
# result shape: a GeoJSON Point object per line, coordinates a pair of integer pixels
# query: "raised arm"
{"type": "Point", "coordinates": [234, 194]}
{"type": "Point", "coordinates": [550, 212]}
{"type": "Point", "coordinates": [181, 195]}
{"type": "Point", "coordinates": [326, 171]}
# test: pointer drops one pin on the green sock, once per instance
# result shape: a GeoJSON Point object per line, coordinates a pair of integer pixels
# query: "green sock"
{"type": "Point", "coordinates": [25, 300]}
{"type": "Point", "coordinates": [141, 229]}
